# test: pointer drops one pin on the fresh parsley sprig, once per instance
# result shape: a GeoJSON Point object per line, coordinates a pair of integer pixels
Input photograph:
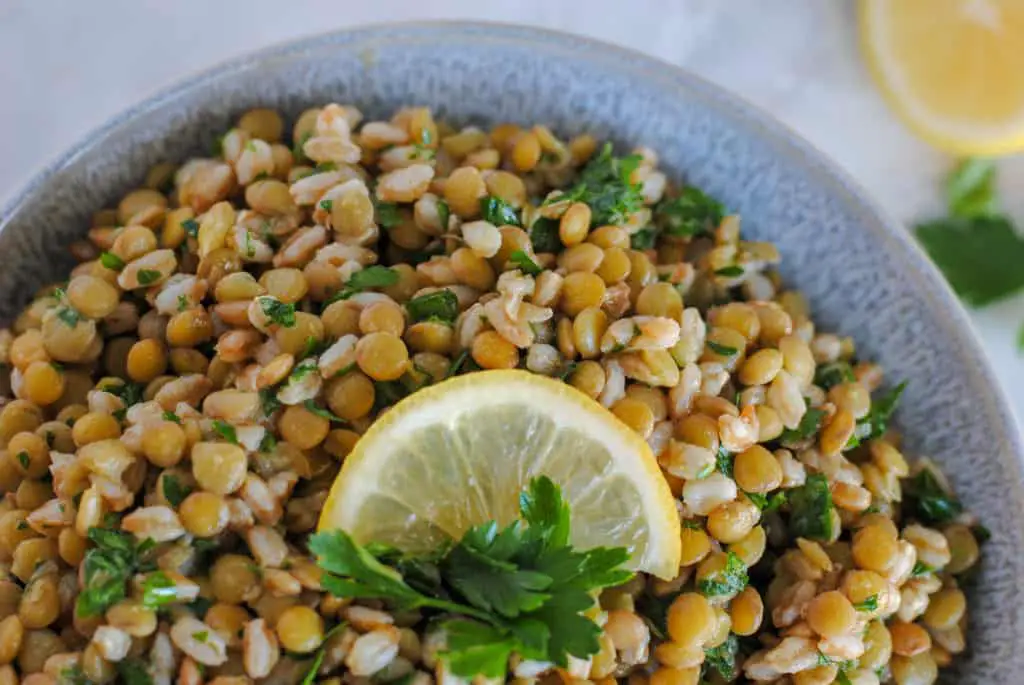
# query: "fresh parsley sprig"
{"type": "Point", "coordinates": [978, 249]}
{"type": "Point", "coordinates": [371, 277]}
{"type": "Point", "coordinates": [520, 588]}
{"type": "Point", "coordinates": [107, 567]}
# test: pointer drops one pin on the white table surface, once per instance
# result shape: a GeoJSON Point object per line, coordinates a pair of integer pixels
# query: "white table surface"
{"type": "Point", "coordinates": [68, 66]}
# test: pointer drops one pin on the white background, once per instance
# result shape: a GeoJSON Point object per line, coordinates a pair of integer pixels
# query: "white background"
{"type": "Point", "coordinates": [66, 67]}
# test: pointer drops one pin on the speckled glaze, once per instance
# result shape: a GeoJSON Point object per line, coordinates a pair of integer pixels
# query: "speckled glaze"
{"type": "Point", "coordinates": [863, 275]}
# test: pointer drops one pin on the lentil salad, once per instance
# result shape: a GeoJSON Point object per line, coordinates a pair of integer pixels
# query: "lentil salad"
{"type": "Point", "coordinates": [179, 408]}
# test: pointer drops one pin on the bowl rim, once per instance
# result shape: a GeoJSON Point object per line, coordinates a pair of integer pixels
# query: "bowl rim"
{"type": "Point", "coordinates": [934, 291]}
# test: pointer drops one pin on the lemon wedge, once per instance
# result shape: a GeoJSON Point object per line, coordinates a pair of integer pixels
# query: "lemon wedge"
{"type": "Point", "coordinates": [458, 454]}
{"type": "Point", "coordinates": [953, 69]}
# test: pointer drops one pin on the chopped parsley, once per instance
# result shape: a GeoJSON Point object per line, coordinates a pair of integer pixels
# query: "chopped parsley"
{"type": "Point", "coordinates": [605, 185]}
{"type": "Point", "coordinates": [766, 503]}
{"type": "Point", "coordinates": [111, 261]}
{"type": "Point", "coordinates": [441, 305]}
{"type": "Point", "coordinates": [158, 590]}
{"type": "Point", "coordinates": [644, 239]}
{"type": "Point", "coordinates": [24, 459]}
{"type": "Point", "coordinates": [876, 422]}
{"type": "Point", "coordinates": [133, 672]}
{"type": "Point", "coordinates": [498, 212]}
{"type": "Point", "coordinates": [327, 205]}
{"type": "Point", "coordinates": [723, 658]}
{"type": "Point", "coordinates": [175, 491]}
{"type": "Point", "coordinates": [226, 431]}
{"type": "Point", "coordinates": [928, 501]}
{"type": "Point", "coordinates": [720, 349]}
{"type": "Point", "coordinates": [724, 461]}
{"type": "Point", "coordinates": [148, 276]}
{"type": "Point", "coordinates": [689, 214]}
{"type": "Point", "coordinates": [278, 312]}
{"type": "Point", "coordinates": [444, 212]}
{"type": "Point", "coordinates": [183, 303]}
{"type": "Point", "coordinates": [107, 568]}
{"type": "Point", "coordinates": [388, 215]}
{"type": "Point", "coordinates": [921, 569]}
{"type": "Point", "coordinates": [314, 408]}
{"type": "Point", "coordinates": [371, 277]}
{"type": "Point", "coordinates": [130, 393]}
{"type": "Point", "coordinates": [732, 271]}
{"type": "Point", "coordinates": [832, 374]}
{"type": "Point", "coordinates": [809, 424]}
{"type": "Point", "coordinates": [727, 581]}
{"type": "Point", "coordinates": [811, 509]}
{"type": "Point", "coordinates": [524, 263]}
{"type": "Point", "coordinates": [544, 236]}
{"type": "Point", "coordinates": [191, 227]}
{"type": "Point", "coordinates": [171, 416]}
{"type": "Point", "coordinates": [868, 604]}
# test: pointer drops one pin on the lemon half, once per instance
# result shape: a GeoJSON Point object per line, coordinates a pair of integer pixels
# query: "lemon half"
{"type": "Point", "coordinates": [953, 69]}
{"type": "Point", "coordinates": [458, 454]}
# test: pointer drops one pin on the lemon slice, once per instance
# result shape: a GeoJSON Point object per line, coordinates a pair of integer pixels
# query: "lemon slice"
{"type": "Point", "coordinates": [458, 454]}
{"type": "Point", "coordinates": [953, 69]}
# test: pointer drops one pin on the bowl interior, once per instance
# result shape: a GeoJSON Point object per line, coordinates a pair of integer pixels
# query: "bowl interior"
{"type": "Point", "coordinates": [862, 275]}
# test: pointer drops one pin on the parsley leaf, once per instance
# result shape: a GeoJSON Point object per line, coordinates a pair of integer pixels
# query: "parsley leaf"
{"type": "Point", "coordinates": [980, 257]}
{"type": "Point", "coordinates": [175, 491]}
{"type": "Point", "coordinates": [519, 588]}
{"type": "Point", "coordinates": [68, 315]}
{"type": "Point", "coordinates": [525, 263]}
{"type": "Point", "coordinates": [268, 401]}
{"type": "Point", "coordinates": [498, 212]}
{"type": "Point", "coordinates": [723, 461]}
{"type": "Point", "coordinates": [811, 509]}
{"type": "Point", "coordinates": [171, 416]}
{"type": "Point", "coordinates": [457, 363]}
{"type": "Point", "coordinates": [832, 374]}
{"type": "Point", "coordinates": [371, 277]}
{"type": "Point", "coordinates": [111, 261]}
{"type": "Point", "coordinates": [731, 271]}
{"type": "Point", "coordinates": [133, 672]}
{"type": "Point", "coordinates": [279, 312]}
{"type": "Point", "coordinates": [727, 581]}
{"type": "Point", "coordinates": [644, 239]}
{"type": "Point", "coordinates": [148, 276]}
{"type": "Point", "coordinates": [388, 215]}
{"type": "Point", "coordinates": [809, 424]}
{"type": "Point", "coordinates": [544, 236]}
{"type": "Point", "coordinates": [718, 348]}
{"type": "Point", "coordinates": [312, 407]}
{"type": "Point", "coordinates": [107, 567]}
{"type": "Point", "coordinates": [868, 604]}
{"type": "Point", "coordinates": [971, 188]}
{"type": "Point", "coordinates": [441, 305]}
{"type": "Point", "coordinates": [877, 421]}
{"type": "Point", "coordinates": [226, 431]}
{"type": "Point", "coordinates": [191, 227]}
{"type": "Point", "coordinates": [444, 212]}
{"type": "Point", "coordinates": [723, 658]}
{"type": "Point", "coordinates": [766, 503]}
{"type": "Point", "coordinates": [921, 569]}
{"type": "Point", "coordinates": [158, 590]}
{"type": "Point", "coordinates": [928, 501]}
{"type": "Point", "coordinates": [690, 213]}
{"type": "Point", "coordinates": [130, 393]}
{"type": "Point", "coordinates": [605, 185]}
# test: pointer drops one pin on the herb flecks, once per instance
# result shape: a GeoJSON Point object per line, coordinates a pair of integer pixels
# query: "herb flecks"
{"type": "Point", "coordinates": [520, 588]}
{"type": "Point", "coordinates": [811, 509]}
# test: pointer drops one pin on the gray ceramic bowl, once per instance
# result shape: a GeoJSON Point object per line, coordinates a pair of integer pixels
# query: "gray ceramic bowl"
{"type": "Point", "coordinates": [864, 276]}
